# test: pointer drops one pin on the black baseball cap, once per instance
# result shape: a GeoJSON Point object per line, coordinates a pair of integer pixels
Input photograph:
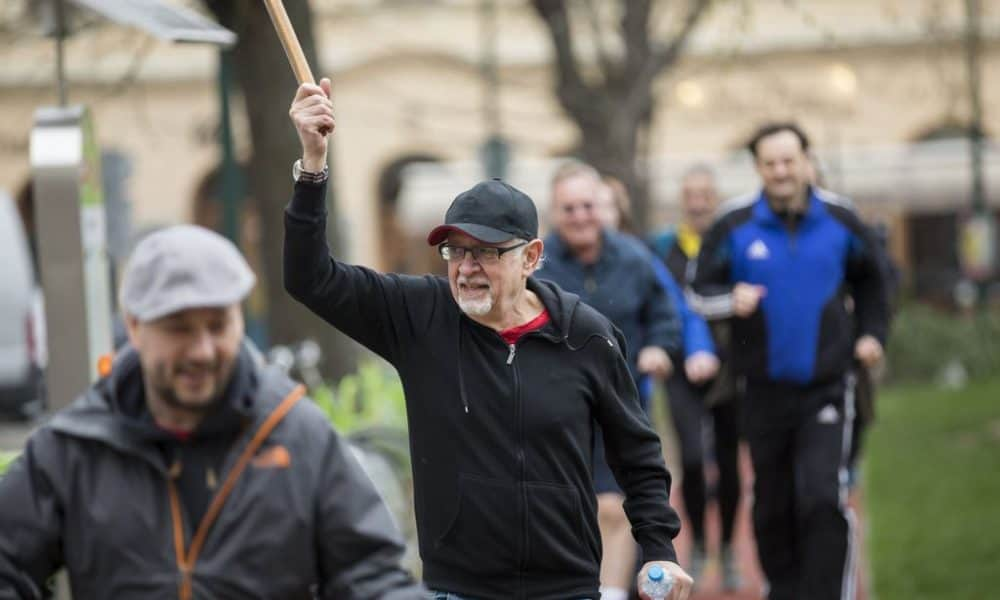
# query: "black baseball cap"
{"type": "Point", "coordinates": [491, 212]}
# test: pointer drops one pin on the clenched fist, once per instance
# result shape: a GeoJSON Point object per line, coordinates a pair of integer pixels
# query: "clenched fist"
{"type": "Point", "coordinates": [312, 115]}
{"type": "Point", "coordinates": [701, 366]}
{"type": "Point", "coordinates": [868, 351]}
{"type": "Point", "coordinates": [654, 361]}
{"type": "Point", "coordinates": [746, 298]}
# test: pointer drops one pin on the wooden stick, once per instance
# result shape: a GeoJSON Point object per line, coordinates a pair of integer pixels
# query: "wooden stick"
{"type": "Point", "coordinates": [286, 33]}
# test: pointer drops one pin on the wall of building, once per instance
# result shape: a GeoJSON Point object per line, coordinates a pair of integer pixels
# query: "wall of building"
{"type": "Point", "coordinates": [857, 74]}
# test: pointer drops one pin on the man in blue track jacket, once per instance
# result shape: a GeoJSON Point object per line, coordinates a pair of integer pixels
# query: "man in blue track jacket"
{"type": "Point", "coordinates": [782, 262]}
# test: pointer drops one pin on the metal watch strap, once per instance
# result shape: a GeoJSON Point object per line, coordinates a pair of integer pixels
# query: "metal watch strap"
{"type": "Point", "coordinates": [313, 177]}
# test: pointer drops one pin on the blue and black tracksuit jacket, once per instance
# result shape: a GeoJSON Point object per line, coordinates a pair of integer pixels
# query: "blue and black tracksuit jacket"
{"type": "Point", "coordinates": [802, 332]}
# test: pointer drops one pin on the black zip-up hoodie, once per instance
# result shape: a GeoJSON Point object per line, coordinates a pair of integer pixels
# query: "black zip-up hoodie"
{"type": "Point", "coordinates": [500, 435]}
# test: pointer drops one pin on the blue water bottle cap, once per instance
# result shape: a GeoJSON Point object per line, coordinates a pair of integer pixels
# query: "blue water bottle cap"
{"type": "Point", "coordinates": [655, 573]}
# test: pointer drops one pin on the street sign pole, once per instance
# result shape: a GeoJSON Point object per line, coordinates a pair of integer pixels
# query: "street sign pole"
{"type": "Point", "coordinates": [73, 260]}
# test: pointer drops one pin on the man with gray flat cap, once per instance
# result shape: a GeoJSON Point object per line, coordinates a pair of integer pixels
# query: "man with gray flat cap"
{"type": "Point", "coordinates": [190, 470]}
{"type": "Point", "coordinates": [505, 377]}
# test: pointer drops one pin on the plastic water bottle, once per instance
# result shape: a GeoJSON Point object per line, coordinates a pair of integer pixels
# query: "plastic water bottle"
{"type": "Point", "coordinates": [657, 583]}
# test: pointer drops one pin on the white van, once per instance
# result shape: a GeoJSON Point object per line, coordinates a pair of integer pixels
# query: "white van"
{"type": "Point", "coordinates": [22, 318]}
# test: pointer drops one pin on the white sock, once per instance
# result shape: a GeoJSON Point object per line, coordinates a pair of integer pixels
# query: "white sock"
{"type": "Point", "coordinates": [613, 593]}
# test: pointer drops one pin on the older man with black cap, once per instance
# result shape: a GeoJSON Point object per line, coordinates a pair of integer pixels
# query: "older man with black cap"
{"type": "Point", "coordinates": [190, 471]}
{"type": "Point", "coordinates": [505, 377]}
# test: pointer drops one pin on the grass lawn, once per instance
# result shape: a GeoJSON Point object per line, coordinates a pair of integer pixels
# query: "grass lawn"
{"type": "Point", "coordinates": [932, 485]}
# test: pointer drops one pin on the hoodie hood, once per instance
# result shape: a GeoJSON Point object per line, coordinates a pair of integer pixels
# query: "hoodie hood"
{"type": "Point", "coordinates": [576, 322]}
{"type": "Point", "coordinates": [560, 304]}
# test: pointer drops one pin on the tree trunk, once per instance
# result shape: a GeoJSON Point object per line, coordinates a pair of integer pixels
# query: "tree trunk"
{"type": "Point", "coordinates": [268, 85]}
{"type": "Point", "coordinates": [613, 150]}
{"type": "Point", "coordinates": [614, 111]}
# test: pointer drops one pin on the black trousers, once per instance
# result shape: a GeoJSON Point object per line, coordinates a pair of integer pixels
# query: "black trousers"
{"type": "Point", "coordinates": [799, 439]}
{"type": "Point", "coordinates": [689, 414]}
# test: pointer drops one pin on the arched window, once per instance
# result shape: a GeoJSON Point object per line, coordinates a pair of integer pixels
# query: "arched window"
{"type": "Point", "coordinates": [400, 252]}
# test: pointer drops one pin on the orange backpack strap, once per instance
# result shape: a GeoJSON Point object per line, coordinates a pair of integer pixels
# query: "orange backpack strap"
{"type": "Point", "coordinates": [272, 421]}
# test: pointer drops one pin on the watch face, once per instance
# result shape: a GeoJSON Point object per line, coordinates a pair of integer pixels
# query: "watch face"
{"type": "Point", "coordinates": [297, 169]}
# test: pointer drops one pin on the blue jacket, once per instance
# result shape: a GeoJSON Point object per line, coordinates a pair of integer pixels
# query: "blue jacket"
{"type": "Point", "coordinates": [623, 286]}
{"type": "Point", "coordinates": [694, 329]}
{"type": "Point", "coordinates": [697, 337]}
{"type": "Point", "coordinates": [801, 333]}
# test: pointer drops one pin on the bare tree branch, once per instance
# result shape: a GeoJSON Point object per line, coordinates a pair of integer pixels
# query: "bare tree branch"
{"type": "Point", "coordinates": [638, 101]}
{"type": "Point", "coordinates": [596, 30]}
{"type": "Point", "coordinates": [635, 33]}
{"type": "Point", "coordinates": [576, 96]}
{"type": "Point", "coordinates": [669, 54]}
{"type": "Point", "coordinates": [136, 63]}
{"type": "Point", "coordinates": [613, 115]}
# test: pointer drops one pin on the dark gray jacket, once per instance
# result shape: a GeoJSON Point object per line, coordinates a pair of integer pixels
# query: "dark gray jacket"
{"type": "Point", "coordinates": [94, 495]}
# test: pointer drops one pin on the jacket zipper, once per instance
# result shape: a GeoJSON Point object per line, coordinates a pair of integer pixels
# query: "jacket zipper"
{"type": "Point", "coordinates": [521, 460]}
{"type": "Point", "coordinates": [521, 468]}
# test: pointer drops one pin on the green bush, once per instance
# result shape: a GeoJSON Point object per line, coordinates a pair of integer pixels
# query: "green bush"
{"type": "Point", "coordinates": [5, 459]}
{"type": "Point", "coordinates": [369, 408]}
{"type": "Point", "coordinates": [924, 339]}
{"type": "Point", "coordinates": [368, 401]}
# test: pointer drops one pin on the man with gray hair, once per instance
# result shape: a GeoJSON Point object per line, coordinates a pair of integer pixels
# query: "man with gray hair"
{"type": "Point", "coordinates": [190, 470]}
{"type": "Point", "coordinates": [505, 377]}
{"type": "Point", "coordinates": [614, 273]}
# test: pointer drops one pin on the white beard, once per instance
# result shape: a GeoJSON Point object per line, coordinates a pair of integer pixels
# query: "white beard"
{"type": "Point", "coordinates": [480, 306]}
{"type": "Point", "coordinates": [476, 308]}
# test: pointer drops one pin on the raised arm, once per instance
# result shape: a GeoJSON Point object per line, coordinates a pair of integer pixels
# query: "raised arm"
{"type": "Point", "coordinates": [379, 311]}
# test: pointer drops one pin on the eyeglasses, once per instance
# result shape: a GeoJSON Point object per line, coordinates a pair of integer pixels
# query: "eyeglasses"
{"type": "Point", "coordinates": [481, 254]}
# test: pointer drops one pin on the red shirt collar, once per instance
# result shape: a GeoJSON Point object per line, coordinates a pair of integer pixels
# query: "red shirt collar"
{"type": "Point", "coordinates": [515, 333]}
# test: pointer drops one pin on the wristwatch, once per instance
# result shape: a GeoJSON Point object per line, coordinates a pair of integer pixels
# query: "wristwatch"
{"type": "Point", "coordinates": [299, 175]}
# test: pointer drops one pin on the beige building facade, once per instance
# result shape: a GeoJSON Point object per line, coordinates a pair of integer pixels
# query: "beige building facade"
{"type": "Point", "coordinates": [868, 79]}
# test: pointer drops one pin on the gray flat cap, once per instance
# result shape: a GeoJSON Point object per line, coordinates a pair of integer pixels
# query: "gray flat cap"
{"type": "Point", "coordinates": [183, 267]}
